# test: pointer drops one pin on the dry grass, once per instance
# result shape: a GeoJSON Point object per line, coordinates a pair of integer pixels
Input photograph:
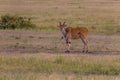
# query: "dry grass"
{"type": "Point", "coordinates": [28, 66]}
{"type": "Point", "coordinates": [54, 76]}
{"type": "Point", "coordinates": [99, 16]}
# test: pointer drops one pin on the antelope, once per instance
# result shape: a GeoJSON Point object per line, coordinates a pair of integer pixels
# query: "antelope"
{"type": "Point", "coordinates": [74, 33]}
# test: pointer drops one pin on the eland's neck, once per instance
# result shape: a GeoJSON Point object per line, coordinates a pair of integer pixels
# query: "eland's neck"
{"type": "Point", "coordinates": [63, 32]}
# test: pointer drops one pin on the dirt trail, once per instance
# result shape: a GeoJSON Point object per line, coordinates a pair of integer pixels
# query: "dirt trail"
{"type": "Point", "coordinates": [49, 42]}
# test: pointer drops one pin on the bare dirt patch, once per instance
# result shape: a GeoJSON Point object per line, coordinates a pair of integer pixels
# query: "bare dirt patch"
{"type": "Point", "coordinates": [49, 42]}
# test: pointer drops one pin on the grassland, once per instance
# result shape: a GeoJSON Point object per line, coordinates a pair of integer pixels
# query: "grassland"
{"type": "Point", "coordinates": [99, 16]}
{"type": "Point", "coordinates": [39, 54]}
{"type": "Point", "coordinates": [59, 66]}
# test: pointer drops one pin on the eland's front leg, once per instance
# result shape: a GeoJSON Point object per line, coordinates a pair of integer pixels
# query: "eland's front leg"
{"type": "Point", "coordinates": [68, 44]}
{"type": "Point", "coordinates": [68, 47]}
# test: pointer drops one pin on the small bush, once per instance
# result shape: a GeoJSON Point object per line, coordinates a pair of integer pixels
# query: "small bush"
{"type": "Point", "coordinates": [16, 22]}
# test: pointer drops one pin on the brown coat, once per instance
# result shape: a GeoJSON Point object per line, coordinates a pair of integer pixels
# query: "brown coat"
{"type": "Point", "coordinates": [76, 33]}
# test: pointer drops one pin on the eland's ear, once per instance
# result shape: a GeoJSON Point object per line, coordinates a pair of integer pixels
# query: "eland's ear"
{"type": "Point", "coordinates": [59, 23]}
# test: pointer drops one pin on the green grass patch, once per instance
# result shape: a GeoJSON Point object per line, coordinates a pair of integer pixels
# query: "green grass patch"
{"type": "Point", "coordinates": [57, 65]}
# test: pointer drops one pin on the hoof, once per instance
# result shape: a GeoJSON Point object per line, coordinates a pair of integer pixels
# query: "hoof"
{"type": "Point", "coordinates": [85, 51]}
{"type": "Point", "coordinates": [67, 51]}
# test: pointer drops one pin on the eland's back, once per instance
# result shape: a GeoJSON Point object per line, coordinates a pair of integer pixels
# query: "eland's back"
{"type": "Point", "coordinates": [75, 33]}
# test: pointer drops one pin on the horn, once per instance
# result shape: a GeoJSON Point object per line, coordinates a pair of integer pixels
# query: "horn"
{"type": "Point", "coordinates": [64, 23]}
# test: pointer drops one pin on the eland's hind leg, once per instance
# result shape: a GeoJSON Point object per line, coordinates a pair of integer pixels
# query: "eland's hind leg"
{"type": "Point", "coordinates": [85, 42]}
{"type": "Point", "coordinates": [86, 45]}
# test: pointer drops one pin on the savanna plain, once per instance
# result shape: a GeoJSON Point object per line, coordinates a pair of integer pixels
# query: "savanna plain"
{"type": "Point", "coordinates": [38, 54]}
